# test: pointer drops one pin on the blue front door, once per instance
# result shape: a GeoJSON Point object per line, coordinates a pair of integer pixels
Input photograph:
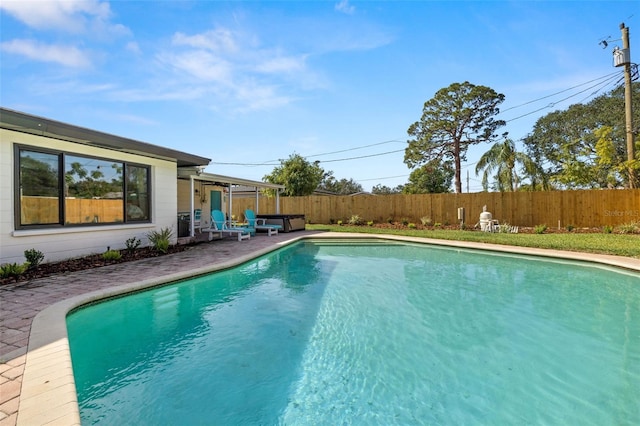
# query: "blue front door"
{"type": "Point", "coordinates": [216, 200]}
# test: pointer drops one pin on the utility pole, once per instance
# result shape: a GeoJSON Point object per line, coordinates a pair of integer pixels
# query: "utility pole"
{"type": "Point", "coordinates": [623, 58]}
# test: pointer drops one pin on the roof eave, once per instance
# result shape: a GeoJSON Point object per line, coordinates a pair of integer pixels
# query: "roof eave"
{"type": "Point", "coordinates": [26, 123]}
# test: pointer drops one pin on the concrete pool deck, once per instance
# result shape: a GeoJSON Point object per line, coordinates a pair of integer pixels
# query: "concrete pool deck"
{"type": "Point", "coordinates": [36, 378]}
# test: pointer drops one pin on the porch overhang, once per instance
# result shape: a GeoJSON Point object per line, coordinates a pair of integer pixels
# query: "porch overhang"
{"type": "Point", "coordinates": [194, 174]}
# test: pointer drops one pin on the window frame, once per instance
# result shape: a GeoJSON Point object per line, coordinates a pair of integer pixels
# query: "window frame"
{"type": "Point", "coordinates": [61, 154]}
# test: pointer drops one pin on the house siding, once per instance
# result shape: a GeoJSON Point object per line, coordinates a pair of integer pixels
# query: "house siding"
{"type": "Point", "coordinates": [69, 242]}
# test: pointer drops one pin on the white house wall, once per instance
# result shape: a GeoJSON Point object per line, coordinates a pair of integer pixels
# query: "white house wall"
{"type": "Point", "coordinates": [69, 242]}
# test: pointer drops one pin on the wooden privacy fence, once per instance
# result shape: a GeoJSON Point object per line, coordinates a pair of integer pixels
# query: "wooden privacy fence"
{"type": "Point", "coordinates": [588, 208]}
{"type": "Point", "coordinates": [39, 210]}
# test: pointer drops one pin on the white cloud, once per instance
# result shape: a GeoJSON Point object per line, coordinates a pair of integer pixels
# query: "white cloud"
{"type": "Point", "coordinates": [200, 64]}
{"type": "Point", "coordinates": [281, 64]}
{"type": "Point", "coordinates": [218, 40]}
{"type": "Point", "coordinates": [71, 16]}
{"type": "Point", "coordinates": [69, 56]}
{"type": "Point", "coordinates": [133, 47]}
{"type": "Point", "coordinates": [345, 7]}
{"type": "Point", "coordinates": [236, 70]}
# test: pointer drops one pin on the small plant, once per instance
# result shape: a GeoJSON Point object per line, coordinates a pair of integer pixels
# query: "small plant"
{"type": "Point", "coordinates": [160, 240]}
{"type": "Point", "coordinates": [628, 228]}
{"type": "Point", "coordinates": [570, 228]}
{"type": "Point", "coordinates": [332, 221]}
{"type": "Point", "coordinates": [504, 228]}
{"type": "Point", "coordinates": [13, 269]}
{"type": "Point", "coordinates": [412, 226]}
{"type": "Point", "coordinates": [447, 223]}
{"type": "Point", "coordinates": [437, 225]}
{"type": "Point", "coordinates": [370, 223]}
{"type": "Point", "coordinates": [132, 244]}
{"type": "Point", "coordinates": [404, 221]}
{"type": "Point", "coordinates": [463, 226]}
{"type": "Point", "coordinates": [355, 220]}
{"type": "Point", "coordinates": [426, 221]}
{"type": "Point", "coordinates": [339, 223]}
{"type": "Point", "coordinates": [111, 254]}
{"type": "Point", "coordinates": [607, 229]}
{"type": "Point", "coordinates": [389, 220]}
{"type": "Point", "coordinates": [539, 229]}
{"type": "Point", "coordinates": [34, 257]}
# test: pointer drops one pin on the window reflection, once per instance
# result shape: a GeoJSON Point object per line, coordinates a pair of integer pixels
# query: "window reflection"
{"type": "Point", "coordinates": [55, 188]}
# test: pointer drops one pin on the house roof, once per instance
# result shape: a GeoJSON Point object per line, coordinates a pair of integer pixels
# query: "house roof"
{"type": "Point", "coordinates": [26, 123]}
{"type": "Point", "coordinates": [222, 180]}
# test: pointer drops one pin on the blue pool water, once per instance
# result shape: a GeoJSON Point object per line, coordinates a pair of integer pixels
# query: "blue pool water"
{"type": "Point", "coordinates": [329, 333]}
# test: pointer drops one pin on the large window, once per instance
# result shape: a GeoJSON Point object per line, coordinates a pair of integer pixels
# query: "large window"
{"type": "Point", "coordinates": [60, 189]}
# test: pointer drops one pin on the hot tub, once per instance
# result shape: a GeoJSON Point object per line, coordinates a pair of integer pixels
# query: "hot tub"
{"type": "Point", "coordinates": [289, 222]}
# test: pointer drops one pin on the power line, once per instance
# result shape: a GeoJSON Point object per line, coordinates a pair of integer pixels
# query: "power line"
{"type": "Point", "coordinates": [277, 162]}
{"type": "Point", "coordinates": [560, 92]}
{"type": "Point", "coordinates": [356, 148]}
{"type": "Point", "coordinates": [362, 156]}
{"type": "Point", "coordinates": [552, 104]}
{"type": "Point", "coordinates": [609, 78]}
{"type": "Point", "coordinates": [382, 178]}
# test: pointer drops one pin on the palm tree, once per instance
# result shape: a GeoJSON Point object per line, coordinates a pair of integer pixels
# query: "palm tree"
{"type": "Point", "coordinates": [502, 158]}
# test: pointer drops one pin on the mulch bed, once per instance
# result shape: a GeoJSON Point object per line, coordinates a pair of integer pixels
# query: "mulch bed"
{"type": "Point", "coordinates": [89, 262]}
{"type": "Point", "coordinates": [521, 230]}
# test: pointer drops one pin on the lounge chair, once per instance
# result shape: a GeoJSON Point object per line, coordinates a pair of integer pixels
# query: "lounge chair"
{"type": "Point", "coordinates": [219, 225]}
{"type": "Point", "coordinates": [258, 224]}
{"type": "Point", "coordinates": [197, 219]}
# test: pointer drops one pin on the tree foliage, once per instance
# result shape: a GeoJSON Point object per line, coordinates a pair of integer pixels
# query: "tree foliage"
{"type": "Point", "coordinates": [342, 186]}
{"type": "Point", "coordinates": [385, 190]}
{"type": "Point", "coordinates": [38, 178]}
{"type": "Point", "coordinates": [500, 164]}
{"type": "Point", "coordinates": [584, 146]}
{"type": "Point", "coordinates": [457, 117]}
{"type": "Point", "coordinates": [299, 176]}
{"type": "Point", "coordinates": [433, 177]}
{"type": "Point", "coordinates": [84, 183]}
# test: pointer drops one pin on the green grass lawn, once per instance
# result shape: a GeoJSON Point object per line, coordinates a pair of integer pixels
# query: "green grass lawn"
{"type": "Point", "coordinates": [616, 244]}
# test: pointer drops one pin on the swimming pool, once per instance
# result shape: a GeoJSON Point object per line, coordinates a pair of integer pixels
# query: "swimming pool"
{"type": "Point", "coordinates": [377, 333]}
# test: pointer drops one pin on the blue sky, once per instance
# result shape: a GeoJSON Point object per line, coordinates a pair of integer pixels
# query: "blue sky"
{"type": "Point", "coordinates": [248, 83]}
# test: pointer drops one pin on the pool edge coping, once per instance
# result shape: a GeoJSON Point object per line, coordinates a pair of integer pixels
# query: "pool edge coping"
{"type": "Point", "coordinates": [48, 393]}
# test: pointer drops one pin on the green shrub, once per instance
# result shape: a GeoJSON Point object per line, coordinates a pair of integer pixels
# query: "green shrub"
{"type": "Point", "coordinates": [355, 220]}
{"type": "Point", "coordinates": [570, 228]}
{"type": "Point", "coordinates": [389, 220]}
{"type": "Point", "coordinates": [13, 269]}
{"type": "Point", "coordinates": [339, 223]}
{"type": "Point", "coordinates": [539, 229]}
{"type": "Point", "coordinates": [412, 226]}
{"type": "Point", "coordinates": [628, 228]}
{"type": "Point", "coordinates": [160, 240]}
{"type": "Point", "coordinates": [111, 254]}
{"type": "Point", "coordinates": [132, 244]}
{"type": "Point", "coordinates": [370, 223]}
{"type": "Point", "coordinates": [607, 229]}
{"type": "Point", "coordinates": [437, 225]}
{"type": "Point", "coordinates": [34, 257]}
{"type": "Point", "coordinates": [404, 221]}
{"type": "Point", "coordinates": [426, 221]}
{"type": "Point", "coordinates": [504, 228]}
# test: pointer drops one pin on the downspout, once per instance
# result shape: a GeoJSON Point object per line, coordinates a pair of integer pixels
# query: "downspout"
{"type": "Point", "coordinates": [257, 201]}
{"type": "Point", "coordinates": [192, 204]}
{"type": "Point", "coordinates": [278, 201]}
{"type": "Point", "coordinates": [230, 212]}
